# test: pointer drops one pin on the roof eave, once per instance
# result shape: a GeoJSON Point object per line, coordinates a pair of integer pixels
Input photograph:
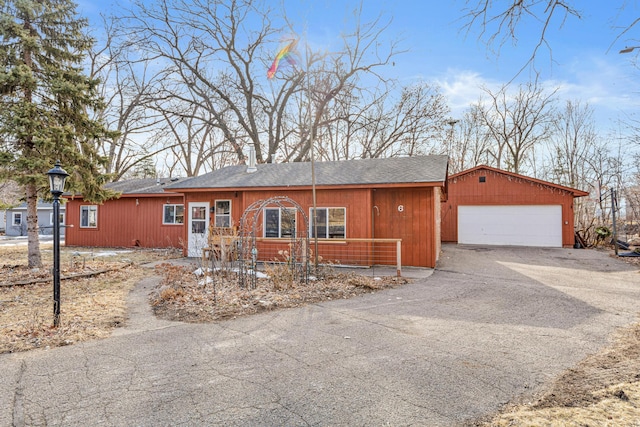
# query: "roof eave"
{"type": "Point", "coordinates": [441, 183]}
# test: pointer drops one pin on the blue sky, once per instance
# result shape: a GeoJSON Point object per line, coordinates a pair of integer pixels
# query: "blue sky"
{"type": "Point", "coordinates": [585, 62]}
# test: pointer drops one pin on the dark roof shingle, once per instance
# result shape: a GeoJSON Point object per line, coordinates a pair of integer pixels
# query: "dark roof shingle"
{"type": "Point", "coordinates": [142, 185]}
{"type": "Point", "coordinates": [396, 170]}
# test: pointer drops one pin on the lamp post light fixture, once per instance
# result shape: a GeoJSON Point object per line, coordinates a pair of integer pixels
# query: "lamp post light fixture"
{"type": "Point", "coordinates": [57, 178]}
{"type": "Point", "coordinates": [629, 49]}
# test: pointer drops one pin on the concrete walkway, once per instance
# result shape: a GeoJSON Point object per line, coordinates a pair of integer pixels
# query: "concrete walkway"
{"type": "Point", "coordinates": [488, 326]}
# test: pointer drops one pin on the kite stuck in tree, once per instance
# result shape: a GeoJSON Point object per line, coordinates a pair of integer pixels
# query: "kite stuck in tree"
{"type": "Point", "coordinates": [287, 53]}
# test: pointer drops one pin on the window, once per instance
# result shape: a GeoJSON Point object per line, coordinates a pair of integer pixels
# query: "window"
{"type": "Point", "coordinates": [173, 214]}
{"type": "Point", "coordinates": [17, 219]}
{"type": "Point", "coordinates": [198, 219]}
{"type": "Point", "coordinates": [223, 213]}
{"type": "Point", "coordinates": [330, 223]}
{"type": "Point", "coordinates": [279, 222]}
{"type": "Point", "coordinates": [60, 218]}
{"type": "Point", "coordinates": [89, 216]}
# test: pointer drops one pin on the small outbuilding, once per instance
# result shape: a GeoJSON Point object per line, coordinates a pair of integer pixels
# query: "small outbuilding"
{"type": "Point", "coordinates": [489, 206]}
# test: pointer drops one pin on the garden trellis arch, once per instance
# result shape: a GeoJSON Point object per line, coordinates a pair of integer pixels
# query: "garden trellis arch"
{"type": "Point", "coordinates": [295, 251]}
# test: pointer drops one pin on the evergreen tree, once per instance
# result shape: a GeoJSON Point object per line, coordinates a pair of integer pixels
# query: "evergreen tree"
{"type": "Point", "coordinates": [46, 101]}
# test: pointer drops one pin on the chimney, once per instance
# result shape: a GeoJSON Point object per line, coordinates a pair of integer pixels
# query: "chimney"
{"type": "Point", "coordinates": [251, 168]}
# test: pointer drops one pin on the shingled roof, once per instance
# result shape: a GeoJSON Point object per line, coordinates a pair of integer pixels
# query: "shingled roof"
{"type": "Point", "coordinates": [142, 185]}
{"type": "Point", "coordinates": [397, 170]}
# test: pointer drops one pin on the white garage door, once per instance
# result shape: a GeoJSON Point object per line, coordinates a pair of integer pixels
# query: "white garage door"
{"type": "Point", "coordinates": [536, 225]}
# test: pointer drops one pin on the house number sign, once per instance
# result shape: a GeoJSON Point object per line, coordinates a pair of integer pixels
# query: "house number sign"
{"type": "Point", "coordinates": [400, 208]}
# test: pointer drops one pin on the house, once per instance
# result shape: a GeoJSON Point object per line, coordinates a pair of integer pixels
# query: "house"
{"type": "Point", "coordinates": [10, 194]}
{"type": "Point", "coordinates": [363, 207]}
{"type": "Point", "coordinates": [489, 206]}
{"type": "Point", "coordinates": [144, 215]}
{"type": "Point", "coordinates": [16, 219]}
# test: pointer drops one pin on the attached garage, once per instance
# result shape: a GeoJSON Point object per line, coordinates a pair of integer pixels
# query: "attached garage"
{"type": "Point", "coordinates": [489, 206]}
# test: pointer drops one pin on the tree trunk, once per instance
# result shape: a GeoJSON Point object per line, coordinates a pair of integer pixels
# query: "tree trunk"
{"type": "Point", "coordinates": [33, 240]}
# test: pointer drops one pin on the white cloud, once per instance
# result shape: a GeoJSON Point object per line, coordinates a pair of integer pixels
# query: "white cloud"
{"type": "Point", "coordinates": [463, 88]}
{"type": "Point", "coordinates": [609, 85]}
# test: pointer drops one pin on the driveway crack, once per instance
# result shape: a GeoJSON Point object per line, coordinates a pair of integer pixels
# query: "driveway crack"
{"type": "Point", "coordinates": [18, 398]}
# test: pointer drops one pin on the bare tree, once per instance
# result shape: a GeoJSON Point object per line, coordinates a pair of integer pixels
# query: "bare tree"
{"type": "Point", "coordinates": [340, 72]}
{"type": "Point", "coordinates": [572, 143]}
{"type": "Point", "coordinates": [516, 124]}
{"type": "Point", "coordinates": [498, 23]}
{"type": "Point", "coordinates": [383, 124]}
{"type": "Point", "coordinates": [129, 88]}
{"type": "Point", "coordinates": [215, 55]}
{"type": "Point", "coordinates": [470, 142]}
{"type": "Point", "coordinates": [191, 139]}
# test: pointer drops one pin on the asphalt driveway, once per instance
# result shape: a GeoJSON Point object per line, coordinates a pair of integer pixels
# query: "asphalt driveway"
{"type": "Point", "coordinates": [488, 326]}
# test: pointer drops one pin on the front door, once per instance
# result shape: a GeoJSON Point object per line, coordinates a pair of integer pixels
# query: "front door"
{"type": "Point", "coordinates": [198, 227]}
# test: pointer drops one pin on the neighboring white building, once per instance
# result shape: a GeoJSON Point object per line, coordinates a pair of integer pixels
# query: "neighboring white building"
{"type": "Point", "coordinates": [15, 221]}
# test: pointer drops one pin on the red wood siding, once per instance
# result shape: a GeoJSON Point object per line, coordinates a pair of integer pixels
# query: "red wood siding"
{"type": "Point", "coordinates": [125, 222]}
{"type": "Point", "coordinates": [503, 189]}
{"type": "Point", "coordinates": [357, 220]}
{"type": "Point", "coordinates": [416, 225]}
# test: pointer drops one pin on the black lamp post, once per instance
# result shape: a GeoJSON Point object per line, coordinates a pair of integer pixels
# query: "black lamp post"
{"type": "Point", "coordinates": [57, 177]}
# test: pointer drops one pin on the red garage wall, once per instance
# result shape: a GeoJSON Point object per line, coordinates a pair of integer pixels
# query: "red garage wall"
{"type": "Point", "coordinates": [125, 222]}
{"type": "Point", "coordinates": [505, 188]}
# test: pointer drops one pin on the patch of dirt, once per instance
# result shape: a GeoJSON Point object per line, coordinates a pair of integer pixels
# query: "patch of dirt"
{"type": "Point", "coordinates": [183, 296]}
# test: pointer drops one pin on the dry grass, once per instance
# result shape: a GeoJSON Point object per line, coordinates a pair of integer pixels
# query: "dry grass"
{"type": "Point", "coordinates": [602, 390]}
{"type": "Point", "coordinates": [619, 405]}
{"type": "Point", "coordinates": [91, 307]}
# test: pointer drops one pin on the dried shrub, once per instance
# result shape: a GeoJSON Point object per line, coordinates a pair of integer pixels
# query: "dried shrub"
{"type": "Point", "coordinates": [176, 283]}
{"type": "Point", "coordinates": [181, 297]}
{"type": "Point", "coordinates": [169, 293]}
{"type": "Point", "coordinates": [280, 275]}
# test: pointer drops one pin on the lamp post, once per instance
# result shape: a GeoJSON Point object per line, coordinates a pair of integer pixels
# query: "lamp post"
{"type": "Point", "coordinates": [452, 122]}
{"type": "Point", "coordinates": [57, 177]}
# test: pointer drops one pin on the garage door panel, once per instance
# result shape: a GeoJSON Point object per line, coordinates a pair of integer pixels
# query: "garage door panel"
{"type": "Point", "coordinates": [515, 225]}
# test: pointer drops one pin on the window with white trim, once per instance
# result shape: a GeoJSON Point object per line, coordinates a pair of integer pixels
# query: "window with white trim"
{"type": "Point", "coordinates": [60, 218]}
{"type": "Point", "coordinates": [223, 213]}
{"type": "Point", "coordinates": [89, 216]}
{"type": "Point", "coordinates": [16, 220]}
{"type": "Point", "coordinates": [331, 223]}
{"type": "Point", "coordinates": [279, 222]}
{"type": "Point", "coordinates": [173, 214]}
